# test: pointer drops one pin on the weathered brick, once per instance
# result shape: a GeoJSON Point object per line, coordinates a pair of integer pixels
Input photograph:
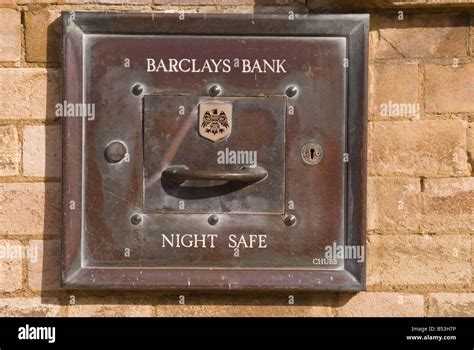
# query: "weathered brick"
{"type": "Point", "coordinates": [43, 274]}
{"type": "Point", "coordinates": [421, 148]}
{"type": "Point", "coordinates": [421, 35]}
{"type": "Point", "coordinates": [451, 304]}
{"type": "Point", "coordinates": [391, 86]}
{"type": "Point", "coordinates": [42, 35]}
{"type": "Point", "coordinates": [472, 35]}
{"type": "Point", "coordinates": [29, 307]}
{"type": "Point", "coordinates": [229, 2]}
{"type": "Point", "coordinates": [426, 3]}
{"type": "Point", "coordinates": [242, 311]}
{"type": "Point", "coordinates": [378, 45]}
{"type": "Point", "coordinates": [328, 4]}
{"type": "Point", "coordinates": [25, 2]}
{"type": "Point", "coordinates": [10, 265]}
{"type": "Point", "coordinates": [9, 150]}
{"type": "Point", "coordinates": [395, 204]}
{"type": "Point", "coordinates": [110, 307]}
{"type": "Point", "coordinates": [380, 305]}
{"type": "Point", "coordinates": [10, 35]}
{"type": "Point", "coordinates": [448, 205]}
{"type": "Point", "coordinates": [42, 151]}
{"type": "Point", "coordinates": [32, 93]}
{"type": "Point", "coordinates": [470, 141]}
{"type": "Point", "coordinates": [247, 305]}
{"type": "Point", "coordinates": [418, 260]}
{"type": "Point", "coordinates": [112, 2]}
{"type": "Point", "coordinates": [29, 208]}
{"type": "Point", "coordinates": [449, 89]}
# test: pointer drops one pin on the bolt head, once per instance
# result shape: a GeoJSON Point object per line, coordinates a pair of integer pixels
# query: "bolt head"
{"type": "Point", "coordinates": [136, 219]}
{"type": "Point", "coordinates": [213, 219]}
{"type": "Point", "coordinates": [137, 89]}
{"type": "Point", "coordinates": [214, 90]}
{"type": "Point", "coordinates": [291, 91]}
{"type": "Point", "coordinates": [290, 220]}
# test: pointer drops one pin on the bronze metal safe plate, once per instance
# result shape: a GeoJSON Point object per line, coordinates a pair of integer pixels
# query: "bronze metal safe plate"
{"type": "Point", "coordinates": [225, 151]}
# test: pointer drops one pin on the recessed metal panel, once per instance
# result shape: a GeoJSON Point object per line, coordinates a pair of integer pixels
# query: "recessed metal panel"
{"type": "Point", "coordinates": [163, 198]}
{"type": "Point", "coordinates": [241, 135]}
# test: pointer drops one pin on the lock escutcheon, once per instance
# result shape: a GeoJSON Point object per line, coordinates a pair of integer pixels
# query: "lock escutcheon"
{"type": "Point", "coordinates": [312, 153]}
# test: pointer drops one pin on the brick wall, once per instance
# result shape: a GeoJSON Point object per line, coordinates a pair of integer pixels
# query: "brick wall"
{"type": "Point", "coordinates": [420, 185]}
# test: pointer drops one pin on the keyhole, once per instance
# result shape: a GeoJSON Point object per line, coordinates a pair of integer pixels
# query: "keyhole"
{"type": "Point", "coordinates": [311, 153]}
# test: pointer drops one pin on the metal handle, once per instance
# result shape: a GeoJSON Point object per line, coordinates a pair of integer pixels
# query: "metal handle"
{"type": "Point", "coordinates": [181, 173]}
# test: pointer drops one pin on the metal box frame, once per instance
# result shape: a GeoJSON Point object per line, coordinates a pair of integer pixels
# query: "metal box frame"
{"type": "Point", "coordinates": [77, 272]}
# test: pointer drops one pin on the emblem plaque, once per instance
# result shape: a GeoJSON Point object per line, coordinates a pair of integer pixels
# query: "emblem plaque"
{"type": "Point", "coordinates": [215, 121]}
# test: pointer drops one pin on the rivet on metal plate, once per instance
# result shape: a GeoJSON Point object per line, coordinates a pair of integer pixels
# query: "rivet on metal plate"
{"type": "Point", "coordinates": [213, 220]}
{"type": "Point", "coordinates": [215, 90]}
{"type": "Point", "coordinates": [136, 219]}
{"type": "Point", "coordinates": [290, 220]}
{"type": "Point", "coordinates": [137, 89]}
{"type": "Point", "coordinates": [291, 91]}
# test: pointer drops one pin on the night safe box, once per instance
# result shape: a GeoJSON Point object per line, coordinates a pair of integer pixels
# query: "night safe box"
{"type": "Point", "coordinates": [214, 151]}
